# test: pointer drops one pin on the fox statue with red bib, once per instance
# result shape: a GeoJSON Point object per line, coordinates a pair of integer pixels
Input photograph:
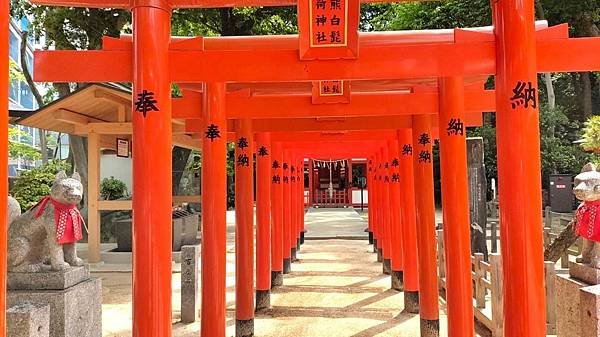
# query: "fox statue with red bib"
{"type": "Point", "coordinates": [587, 217]}
{"type": "Point", "coordinates": [44, 237]}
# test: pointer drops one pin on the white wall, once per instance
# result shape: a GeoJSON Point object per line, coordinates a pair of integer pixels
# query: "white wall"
{"type": "Point", "coordinates": [120, 168]}
{"type": "Point", "coordinates": [356, 197]}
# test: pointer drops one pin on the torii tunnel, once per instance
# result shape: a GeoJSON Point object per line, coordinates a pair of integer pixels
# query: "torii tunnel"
{"type": "Point", "coordinates": [380, 96]}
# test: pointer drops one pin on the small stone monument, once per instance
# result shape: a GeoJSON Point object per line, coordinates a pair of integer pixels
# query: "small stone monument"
{"type": "Point", "coordinates": [578, 294]}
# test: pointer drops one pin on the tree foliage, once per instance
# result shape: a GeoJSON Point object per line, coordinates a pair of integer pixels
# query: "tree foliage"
{"type": "Point", "coordinates": [31, 186]}
{"type": "Point", "coordinates": [112, 189]}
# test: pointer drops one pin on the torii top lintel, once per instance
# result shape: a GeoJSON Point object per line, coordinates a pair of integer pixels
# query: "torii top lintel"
{"type": "Point", "coordinates": [470, 53]}
{"type": "Point", "coordinates": [127, 4]}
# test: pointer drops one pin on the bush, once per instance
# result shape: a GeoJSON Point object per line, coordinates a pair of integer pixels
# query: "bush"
{"type": "Point", "coordinates": [113, 189]}
{"type": "Point", "coordinates": [31, 186]}
{"type": "Point", "coordinates": [591, 134]}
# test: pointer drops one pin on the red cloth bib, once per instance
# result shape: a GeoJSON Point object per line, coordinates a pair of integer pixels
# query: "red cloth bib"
{"type": "Point", "coordinates": [67, 219]}
{"type": "Point", "coordinates": [588, 220]}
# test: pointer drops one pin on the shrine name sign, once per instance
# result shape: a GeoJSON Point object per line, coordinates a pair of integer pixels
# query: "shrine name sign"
{"type": "Point", "coordinates": [328, 29]}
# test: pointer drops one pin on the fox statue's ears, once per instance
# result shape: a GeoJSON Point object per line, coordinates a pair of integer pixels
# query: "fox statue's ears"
{"type": "Point", "coordinates": [76, 176]}
{"type": "Point", "coordinates": [60, 176]}
{"type": "Point", "coordinates": [589, 167]}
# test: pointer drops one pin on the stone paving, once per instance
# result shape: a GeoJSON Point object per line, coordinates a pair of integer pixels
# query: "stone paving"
{"type": "Point", "coordinates": [348, 224]}
{"type": "Point", "coordinates": [335, 289]}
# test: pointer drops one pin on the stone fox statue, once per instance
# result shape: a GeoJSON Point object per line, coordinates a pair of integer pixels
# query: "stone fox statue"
{"type": "Point", "coordinates": [44, 237]}
{"type": "Point", "coordinates": [587, 189]}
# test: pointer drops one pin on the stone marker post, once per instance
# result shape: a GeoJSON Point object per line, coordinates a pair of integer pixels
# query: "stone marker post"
{"type": "Point", "coordinates": [477, 196]}
{"type": "Point", "coordinates": [190, 300]}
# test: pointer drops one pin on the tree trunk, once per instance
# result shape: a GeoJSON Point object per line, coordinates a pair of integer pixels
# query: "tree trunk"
{"type": "Point", "coordinates": [586, 96]}
{"type": "Point", "coordinates": [78, 147]}
{"type": "Point", "coordinates": [560, 245]}
{"type": "Point", "coordinates": [35, 92]}
{"type": "Point", "coordinates": [550, 91]}
{"type": "Point", "coordinates": [539, 9]}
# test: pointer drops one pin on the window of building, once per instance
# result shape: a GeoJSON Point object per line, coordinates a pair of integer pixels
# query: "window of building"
{"type": "Point", "coordinates": [14, 46]}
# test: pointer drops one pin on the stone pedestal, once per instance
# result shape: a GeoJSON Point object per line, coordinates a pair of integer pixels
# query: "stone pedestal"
{"type": "Point", "coordinates": [578, 302]}
{"type": "Point", "coordinates": [28, 320]}
{"type": "Point", "coordinates": [74, 299]}
{"type": "Point", "coordinates": [589, 298]}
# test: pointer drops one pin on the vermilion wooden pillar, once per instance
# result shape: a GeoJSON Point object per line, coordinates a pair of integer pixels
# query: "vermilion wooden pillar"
{"type": "Point", "coordinates": [300, 201]}
{"type": "Point", "coordinates": [311, 189]}
{"type": "Point", "coordinates": [370, 207]}
{"type": "Point", "coordinates": [455, 205]}
{"type": "Point", "coordinates": [152, 189]}
{"type": "Point", "coordinates": [277, 215]}
{"type": "Point", "coordinates": [378, 216]}
{"type": "Point", "coordinates": [263, 221]}
{"type": "Point", "coordinates": [409, 227]}
{"type": "Point", "coordinates": [349, 170]}
{"type": "Point", "coordinates": [373, 203]}
{"type": "Point", "coordinates": [4, 22]}
{"type": "Point", "coordinates": [397, 265]}
{"type": "Point", "coordinates": [426, 239]}
{"type": "Point", "coordinates": [214, 208]}
{"type": "Point", "coordinates": [385, 211]}
{"type": "Point", "coordinates": [287, 213]}
{"type": "Point", "coordinates": [519, 177]}
{"type": "Point", "coordinates": [302, 224]}
{"type": "Point", "coordinates": [294, 221]}
{"type": "Point", "coordinates": [244, 229]}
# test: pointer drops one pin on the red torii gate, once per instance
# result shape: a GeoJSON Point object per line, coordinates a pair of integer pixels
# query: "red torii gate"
{"type": "Point", "coordinates": [511, 55]}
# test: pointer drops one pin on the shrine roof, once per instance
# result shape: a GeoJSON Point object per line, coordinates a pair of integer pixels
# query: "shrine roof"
{"type": "Point", "coordinates": [100, 107]}
{"type": "Point", "coordinates": [91, 103]}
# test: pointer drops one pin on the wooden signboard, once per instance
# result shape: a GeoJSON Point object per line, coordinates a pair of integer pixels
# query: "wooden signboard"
{"type": "Point", "coordinates": [123, 147]}
{"type": "Point", "coordinates": [335, 91]}
{"type": "Point", "coordinates": [328, 29]}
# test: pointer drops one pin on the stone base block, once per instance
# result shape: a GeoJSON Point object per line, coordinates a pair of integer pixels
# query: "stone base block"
{"type": "Point", "coordinates": [74, 312]}
{"type": "Point", "coordinates": [263, 300]}
{"type": "Point", "coordinates": [294, 255]}
{"type": "Point", "coordinates": [568, 318]}
{"type": "Point", "coordinates": [411, 302]}
{"type": "Point", "coordinates": [244, 328]}
{"type": "Point", "coordinates": [387, 266]}
{"type": "Point", "coordinates": [379, 255]}
{"type": "Point", "coordinates": [398, 280]}
{"type": "Point", "coordinates": [28, 320]}
{"type": "Point", "coordinates": [287, 265]}
{"type": "Point", "coordinates": [375, 250]}
{"type": "Point", "coordinates": [584, 273]}
{"type": "Point", "coordinates": [370, 238]}
{"type": "Point", "coordinates": [276, 279]}
{"type": "Point", "coordinates": [298, 244]}
{"type": "Point", "coordinates": [430, 328]}
{"type": "Point", "coordinates": [589, 298]}
{"type": "Point", "coordinates": [51, 280]}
